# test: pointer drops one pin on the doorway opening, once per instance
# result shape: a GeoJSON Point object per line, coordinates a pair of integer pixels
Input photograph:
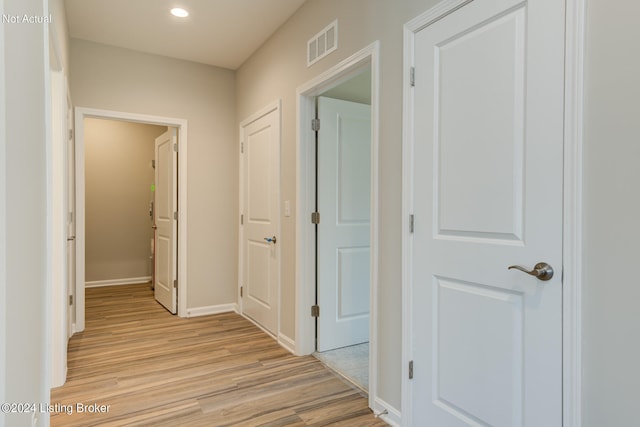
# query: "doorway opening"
{"type": "Point", "coordinates": [129, 205]}
{"type": "Point", "coordinates": [179, 194]}
{"type": "Point", "coordinates": [337, 299]}
{"type": "Point", "coordinates": [343, 190]}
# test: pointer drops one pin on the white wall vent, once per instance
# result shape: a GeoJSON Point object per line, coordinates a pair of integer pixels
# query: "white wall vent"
{"type": "Point", "coordinates": [323, 43]}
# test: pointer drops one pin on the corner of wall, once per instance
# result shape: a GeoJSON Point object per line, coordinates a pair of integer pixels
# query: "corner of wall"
{"type": "Point", "coordinates": [3, 237]}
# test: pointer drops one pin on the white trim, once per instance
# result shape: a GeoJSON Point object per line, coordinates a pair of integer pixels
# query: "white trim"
{"type": "Point", "coordinates": [572, 238]}
{"type": "Point", "coordinates": [117, 282]}
{"type": "Point", "coordinates": [572, 209]}
{"type": "Point", "coordinates": [212, 309]}
{"type": "Point", "coordinates": [393, 417]}
{"type": "Point", "coordinates": [305, 200]}
{"type": "Point", "coordinates": [407, 209]}
{"type": "Point", "coordinates": [56, 224]}
{"type": "Point", "coordinates": [286, 342]}
{"type": "Point", "coordinates": [50, 346]}
{"type": "Point", "coordinates": [274, 106]}
{"type": "Point", "coordinates": [181, 124]}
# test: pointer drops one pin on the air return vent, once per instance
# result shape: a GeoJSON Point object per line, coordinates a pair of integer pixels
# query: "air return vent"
{"type": "Point", "coordinates": [323, 43]}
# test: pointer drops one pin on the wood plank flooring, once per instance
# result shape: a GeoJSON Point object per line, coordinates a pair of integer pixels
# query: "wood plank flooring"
{"type": "Point", "coordinates": [152, 368]}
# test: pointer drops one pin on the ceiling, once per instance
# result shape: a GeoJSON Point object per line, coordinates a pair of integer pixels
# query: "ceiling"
{"type": "Point", "coordinates": [223, 33]}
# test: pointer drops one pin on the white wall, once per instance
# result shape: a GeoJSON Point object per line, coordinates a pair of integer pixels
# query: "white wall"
{"type": "Point", "coordinates": [3, 228]}
{"type": "Point", "coordinates": [111, 78]}
{"type": "Point", "coordinates": [25, 374]}
{"type": "Point", "coordinates": [611, 336]}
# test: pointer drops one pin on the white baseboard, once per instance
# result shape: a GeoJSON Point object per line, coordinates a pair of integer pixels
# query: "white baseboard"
{"type": "Point", "coordinates": [287, 343]}
{"type": "Point", "coordinates": [393, 417]}
{"type": "Point", "coordinates": [212, 309]}
{"type": "Point", "coordinates": [117, 282]}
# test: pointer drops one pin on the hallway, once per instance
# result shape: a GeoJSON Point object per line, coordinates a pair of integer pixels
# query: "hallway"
{"type": "Point", "coordinates": [147, 367]}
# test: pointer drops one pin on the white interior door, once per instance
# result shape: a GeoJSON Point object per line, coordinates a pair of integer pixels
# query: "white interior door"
{"type": "Point", "coordinates": [261, 224]}
{"type": "Point", "coordinates": [486, 184]}
{"type": "Point", "coordinates": [344, 177]}
{"type": "Point", "coordinates": [166, 219]}
{"type": "Point", "coordinates": [71, 220]}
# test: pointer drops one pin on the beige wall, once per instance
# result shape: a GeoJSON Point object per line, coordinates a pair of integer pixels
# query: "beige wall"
{"type": "Point", "coordinates": [611, 311]}
{"type": "Point", "coordinates": [123, 80]}
{"type": "Point", "coordinates": [118, 178]}
{"type": "Point", "coordinates": [275, 71]}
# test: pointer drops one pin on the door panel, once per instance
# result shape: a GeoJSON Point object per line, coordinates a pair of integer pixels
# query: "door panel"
{"type": "Point", "coordinates": [487, 194]}
{"type": "Point", "coordinates": [261, 200]}
{"type": "Point", "coordinates": [165, 204]}
{"type": "Point", "coordinates": [492, 164]}
{"type": "Point", "coordinates": [71, 220]}
{"type": "Point", "coordinates": [344, 194]}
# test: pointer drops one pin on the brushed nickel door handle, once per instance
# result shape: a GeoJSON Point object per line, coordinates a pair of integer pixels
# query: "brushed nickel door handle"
{"type": "Point", "coordinates": [541, 271]}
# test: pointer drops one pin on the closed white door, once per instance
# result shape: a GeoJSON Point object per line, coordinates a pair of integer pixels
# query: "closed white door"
{"type": "Point", "coordinates": [261, 219]}
{"type": "Point", "coordinates": [486, 179]}
{"type": "Point", "coordinates": [71, 220]}
{"type": "Point", "coordinates": [166, 219]}
{"type": "Point", "coordinates": [344, 195]}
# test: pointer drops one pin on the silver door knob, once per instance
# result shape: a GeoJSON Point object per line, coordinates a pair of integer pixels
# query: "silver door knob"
{"type": "Point", "coordinates": [541, 271]}
{"type": "Point", "coordinates": [271, 239]}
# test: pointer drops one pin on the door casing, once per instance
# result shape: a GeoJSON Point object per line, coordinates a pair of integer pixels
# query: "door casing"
{"type": "Point", "coordinates": [305, 204]}
{"type": "Point", "coordinates": [181, 124]}
{"type": "Point", "coordinates": [572, 203]}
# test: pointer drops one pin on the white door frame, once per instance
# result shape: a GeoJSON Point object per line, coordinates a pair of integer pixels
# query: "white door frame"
{"type": "Point", "coordinates": [56, 155]}
{"type": "Point", "coordinates": [305, 200]}
{"type": "Point", "coordinates": [572, 204]}
{"type": "Point", "coordinates": [181, 125]}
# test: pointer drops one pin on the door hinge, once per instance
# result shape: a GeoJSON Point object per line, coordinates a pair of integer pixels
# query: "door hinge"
{"type": "Point", "coordinates": [175, 283]}
{"type": "Point", "coordinates": [241, 291]}
{"type": "Point", "coordinates": [70, 299]}
{"type": "Point", "coordinates": [315, 217]}
{"type": "Point", "coordinates": [411, 223]}
{"type": "Point", "coordinates": [242, 147]}
{"type": "Point", "coordinates": [175, 216]}
{"type": "Point", "coordinates": [153, 163]}
{"type": "Point", "coordinates": [315, 125]}
{"type": "Point", "coordinates": [70, 133]}
{"type": "Point", "coordinates": [411, 369]}
{"type": "Point", "coordinates": [175, 147]}
{"type": "Point", "coordinates": [241, 219]}
{"type": "Point", "coordinates": [315, 311]}
{"type": "Point", "coordinates": [412, 76]}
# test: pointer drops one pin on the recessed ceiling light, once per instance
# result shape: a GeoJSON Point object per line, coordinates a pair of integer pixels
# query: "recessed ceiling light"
{"type": "Point", "coordinates": [179, 12]}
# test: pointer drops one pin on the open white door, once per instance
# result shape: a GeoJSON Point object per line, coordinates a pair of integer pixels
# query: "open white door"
{"type": "Point", "coordinates": [344, 187]}
{"type": "Point", "coordinates": [486, 188]}
{"type": "Point", "coordinates": [166, 219]}
{"type": "Point", "coordinates": [260, 139]}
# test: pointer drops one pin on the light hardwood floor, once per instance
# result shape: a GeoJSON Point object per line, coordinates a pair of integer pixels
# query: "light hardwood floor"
{"type": "Point", "coordinates": [156, 369]}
